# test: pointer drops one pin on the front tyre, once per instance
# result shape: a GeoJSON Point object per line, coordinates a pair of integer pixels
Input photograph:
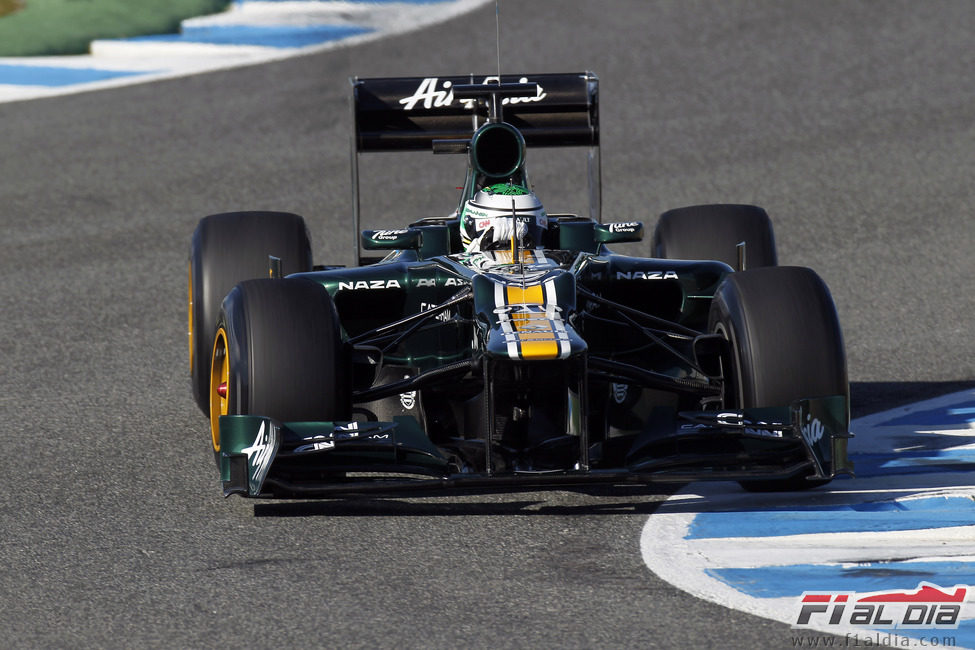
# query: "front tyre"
{"type": "Point", "coordinates": [278, 352]}
{"type": "Point", "coordinates": [227, 248]}
{"type": "Point", "coordinates": [713, 232]}
{"type": "Point", "coordinates": [785, 341]}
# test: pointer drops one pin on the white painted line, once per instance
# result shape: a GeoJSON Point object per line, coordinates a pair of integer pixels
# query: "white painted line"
{"type": "Point", "coordinates": [157, 60]}
{"type": "Point", "coordinates": [909, 519]}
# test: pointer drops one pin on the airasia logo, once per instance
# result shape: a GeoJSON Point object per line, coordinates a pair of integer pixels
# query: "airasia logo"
{"type": "Point", "coordinates": [434, 94]}
{"type": "Point", "coordinates": [813, 430]}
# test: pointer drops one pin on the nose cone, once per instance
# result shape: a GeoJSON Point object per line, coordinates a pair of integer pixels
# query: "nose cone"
{"type": "Point", "coordinates": [528, 318]}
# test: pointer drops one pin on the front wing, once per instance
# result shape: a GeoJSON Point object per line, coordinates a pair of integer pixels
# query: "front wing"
{"type": "Point", "coordinates": [260, 457]}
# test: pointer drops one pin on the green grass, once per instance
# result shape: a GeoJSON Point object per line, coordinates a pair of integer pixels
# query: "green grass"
{"type": "Point", "coordinates": [9, 6]}
{"type": "Point", "coordinates": [46, 27]}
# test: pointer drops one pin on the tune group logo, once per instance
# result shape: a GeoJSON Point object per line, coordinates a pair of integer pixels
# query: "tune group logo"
{"type": "Point", "coordinates": [928, 606]}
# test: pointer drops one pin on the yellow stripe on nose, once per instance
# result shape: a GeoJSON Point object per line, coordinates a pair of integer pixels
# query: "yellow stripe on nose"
{"type": "Point", "coordinates": [533, 295]}
{"type": "Point", "coordinates": [536, 335]}
{"type": "Point", "coordinates": [547, 349]}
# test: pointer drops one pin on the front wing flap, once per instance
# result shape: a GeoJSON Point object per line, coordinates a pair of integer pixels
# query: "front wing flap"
{"type": "Point", "coordinates": [262, 457]}
{"type": "Point", "coordinates": [819, 425]}
{"type": "Point", "coordinates": [253, 449]}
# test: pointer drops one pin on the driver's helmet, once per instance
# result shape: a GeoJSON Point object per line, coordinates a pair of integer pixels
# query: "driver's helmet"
{"type": "Point", "coordinates": [489, 219]}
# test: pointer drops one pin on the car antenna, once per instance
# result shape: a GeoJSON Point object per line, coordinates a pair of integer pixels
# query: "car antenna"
{"type": "Point", "coordinates": [494, 110]}
{"type": "Point", "coordinates": [497, 26]}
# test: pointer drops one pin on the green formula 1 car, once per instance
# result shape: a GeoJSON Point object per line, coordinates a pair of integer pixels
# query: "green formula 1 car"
{"type": "Point", "coordinates": [504, 346]}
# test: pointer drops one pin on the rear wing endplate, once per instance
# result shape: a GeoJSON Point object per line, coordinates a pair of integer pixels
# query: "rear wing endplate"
{"type": "Point", "coordinates": [411, 113]}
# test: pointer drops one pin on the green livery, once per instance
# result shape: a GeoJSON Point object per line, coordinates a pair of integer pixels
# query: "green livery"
{"type": "Point", "coordinates": [508, 347]}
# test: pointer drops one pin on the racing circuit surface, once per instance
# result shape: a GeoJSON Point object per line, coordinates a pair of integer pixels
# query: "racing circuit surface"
{"type": "Point", "coordinates": [849, 122]}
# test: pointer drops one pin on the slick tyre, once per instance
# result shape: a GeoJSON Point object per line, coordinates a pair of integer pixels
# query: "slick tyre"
{"type": "Point", "coordinates": [278, 352]}
{"type": "Point", "coordinates": [227, 248]}
{"type": "Point", "coordinates": [713, 232]}
{"type": "Point", "coordinates": [785, 344]}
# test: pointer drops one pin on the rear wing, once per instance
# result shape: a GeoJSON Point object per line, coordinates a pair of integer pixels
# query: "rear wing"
{"type": "Point", "coordinates": [413, 113]}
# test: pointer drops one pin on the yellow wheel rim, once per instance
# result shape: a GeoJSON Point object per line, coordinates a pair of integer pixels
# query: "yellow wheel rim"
{"type": "Point", "coordinates": [219, 385]}
{"type": "Point", "coordinates": [189, 330]}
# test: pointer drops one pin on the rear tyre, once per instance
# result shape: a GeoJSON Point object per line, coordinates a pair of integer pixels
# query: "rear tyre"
{"type": "Point", "coordinates": [713, 232]}
{"type": "Point", "coordinates": [278, 352]}
{"type": "Point", "coordinates": [227, 248]}
{"type": "Point", "coordinates": [786, 344]}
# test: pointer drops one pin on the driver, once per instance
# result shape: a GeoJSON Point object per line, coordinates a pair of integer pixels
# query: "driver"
{"type": "Point", "coordinates": [488, 220]}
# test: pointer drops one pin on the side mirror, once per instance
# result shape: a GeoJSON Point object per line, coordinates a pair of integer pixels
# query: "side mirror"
{"type": "Point", "coordinates": [618, 233]}
{"type": "Point", "coordinates": [402, 239]}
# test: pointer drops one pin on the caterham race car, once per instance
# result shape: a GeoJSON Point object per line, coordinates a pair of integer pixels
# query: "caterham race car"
{"type": "Point", "coordinates": [503, 346]}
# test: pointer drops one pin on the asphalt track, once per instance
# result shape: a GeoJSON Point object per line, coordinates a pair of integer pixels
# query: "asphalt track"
{"type": "Point", "coordinates": [850, 122]}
